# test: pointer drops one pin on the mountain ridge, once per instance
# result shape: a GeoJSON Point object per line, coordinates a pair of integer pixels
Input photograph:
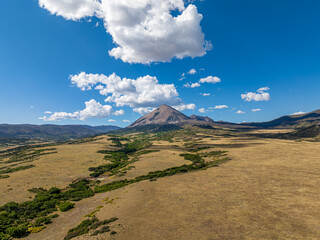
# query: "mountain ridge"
{"type": "Point", "coordinates": [51, 131]}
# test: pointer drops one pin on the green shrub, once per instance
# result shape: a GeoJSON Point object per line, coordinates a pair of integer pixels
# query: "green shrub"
{"type": "Point", "coordinates": [66, 206]}
{"type": "Point", "coordinates": [54, 190]}
{"type": "Point", "coordinates": [17, 231]}
{"type": "Point", "coordinates": [42, 220]}
{"type": "Point", "coordinates": [4, 236]}
{"type": "Point", "coordinates": [104, 229]}
{"type": "Point", "coordinates": [82, 228]}
{"type": "Point", "coordinates": [112, 186]}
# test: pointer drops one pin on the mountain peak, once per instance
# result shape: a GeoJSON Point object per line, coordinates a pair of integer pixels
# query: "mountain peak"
{"type": "Point", "coordinates": [165, 107]}
{"type": "Point", "coordinates": [162, 115]}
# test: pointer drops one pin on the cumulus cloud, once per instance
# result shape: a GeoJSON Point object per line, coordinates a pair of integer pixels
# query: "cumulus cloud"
{"type": "Point", "coordinates": [136, 93]}
{"type": "Point", "coordinates": [144, 31]}
{"type": "Point", "coordinates": [192, 71]}
{"type": "Point", "coordinates": [192, 85]}
{"type": "Point", "coordinates": [260, 95]}
{"type": "Point", "coordinates": [71, 9]}
{"type": "Point", "coordinates": [183, 107]}
{"type": "Point", "coordinates": [221, 107]}
{"type": "Point", "coordinates": [111, 120]}
{"type": "Point", "coordinates": [210, 79]}
{"type": "Point", "coordinates": [202, 110]}
{"type": "Point", "coordinates": [205, 94]}
{"type": "Point", "coordinates": [240, 112]}
{"type": "Point", "coordinates": [256, 110]}
{"type": "Point", "coordinates": [93, 110]}
{"type": "Point", "coordinates": [143, 110]}
{"type": "Point", "coordinates": [143, 94]}
{"type": "Point", "coordinates": [47, 112]}
{"type": "Point", "coordinates": [119, 112]}
{"type": "Point", "coordinates": [297, 113]}
{"type": "Point", "coordinates": [126, 121]}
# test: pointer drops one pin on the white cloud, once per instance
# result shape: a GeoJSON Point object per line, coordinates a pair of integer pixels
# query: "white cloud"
{"type": "Point", "coordinates": [192, 85]}
{"type": "Point", "coordinates": [256, 110]}
{"type": "Point", "coordinates": [47, 112]}
{"type": "Point", "coordinates": [144, 31]}
{"type": "Point", "coordinates": [71, 9]}
{"type": "Point", "coordinates": [260, 95]}
{"type": "Point", "coordinates": [297, 113]}
{"type": "Point", "coordinates": [183, 107]}
{"type": "Point", "coordinates": [205, 94]}
{"type": "Point", "coordinates": [210, 79]}
{"type": "Point", "coordinates": [143, 110]}
{"type": "Point", "coordinates": [126, 121]}
{"type": "Point", "coordinates": [192, 71]}
{"type": "Point", "coordinates": [111, 120]}
{"type": "Point", "coordinates": [93, 110]}
{"type": "Point", "coordinates": [221, 107]}
{"type": "Point", "coordinates": [202, 110]}
{"type": "Point", "coordinates": [31, 107]}
{"type": "Point", "coordinates": [141, 92]}
{"type": "Point", "coordinates": [263, 89]}
{"type": "Point", "coordinates": [240, 112]}
{"type": "Point", "coordinates": [119, 112]}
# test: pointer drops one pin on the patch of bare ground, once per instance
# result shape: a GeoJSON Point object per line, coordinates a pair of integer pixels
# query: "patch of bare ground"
{"type": "Point", "coordinates": [270, 190]}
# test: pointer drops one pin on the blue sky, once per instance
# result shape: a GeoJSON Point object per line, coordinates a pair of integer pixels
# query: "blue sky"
{"type": "Point", "coordinates": [256, 44]}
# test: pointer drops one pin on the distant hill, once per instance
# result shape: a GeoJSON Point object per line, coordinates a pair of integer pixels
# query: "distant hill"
{"type": "Point", "coordinates": [200, 118]}
{"type": "Point", "coordinates": [52, 132]}
{"type": "Point", "coordinates": [306, 132]}
{"type": "Point", "coordinates": [301, 133]}
{"type": "Point", "coordinates": [292, 121]}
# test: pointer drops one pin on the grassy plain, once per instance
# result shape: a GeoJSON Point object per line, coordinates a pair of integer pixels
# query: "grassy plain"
{"type": "Point", "coordinates": [269, 190]}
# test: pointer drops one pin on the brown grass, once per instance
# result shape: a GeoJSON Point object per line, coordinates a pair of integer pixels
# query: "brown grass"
{"type": "Point", "coordinates": [270, 190]}
{"type": "Point", "coordinates": [59, 169]}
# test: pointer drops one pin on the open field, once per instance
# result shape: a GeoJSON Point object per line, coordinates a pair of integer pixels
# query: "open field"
{"type": "Point", "coordinates": [59, 169]}
{"type": "Point", "coordinates": [269, 190]}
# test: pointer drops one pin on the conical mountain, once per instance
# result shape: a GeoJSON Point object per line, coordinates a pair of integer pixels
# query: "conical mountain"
{"type": "Point", "coordinates": [162, 115]}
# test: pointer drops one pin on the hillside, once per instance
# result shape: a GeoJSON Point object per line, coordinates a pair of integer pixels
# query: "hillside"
{"type": "Point", "coordinates": [201, 118]}
{"type": "Point", "coordinates": [52, 132]}
{"type": "Point", "coordinates": [292, 121]}
{"type": "Point", "coordinates": [301, 133]}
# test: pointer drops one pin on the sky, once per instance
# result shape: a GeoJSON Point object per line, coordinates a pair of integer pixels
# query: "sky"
{"type": "Point", "coordinates": [108, 62]}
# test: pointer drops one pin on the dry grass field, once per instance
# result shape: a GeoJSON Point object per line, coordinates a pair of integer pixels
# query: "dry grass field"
{"type": "Point", "coordinates": [269, 190]}
{"type": "Point", "coordinates": [59, 169]}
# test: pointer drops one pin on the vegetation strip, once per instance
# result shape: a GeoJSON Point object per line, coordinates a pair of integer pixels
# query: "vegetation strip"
{"type": "Point", "coordinates": [90, 224]}
{"type": "Point", "coordinates": [120, 158]}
